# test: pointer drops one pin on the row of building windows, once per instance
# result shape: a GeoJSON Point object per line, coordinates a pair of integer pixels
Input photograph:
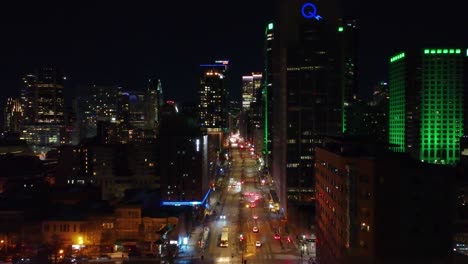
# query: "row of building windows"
{"type": "Point", "coordinates": [62, 228]}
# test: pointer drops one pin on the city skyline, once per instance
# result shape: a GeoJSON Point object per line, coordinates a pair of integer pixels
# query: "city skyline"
{"type": "Point", "coordinates": [305, 131]}
{"type": "Point", "coordinates": [126, 45]}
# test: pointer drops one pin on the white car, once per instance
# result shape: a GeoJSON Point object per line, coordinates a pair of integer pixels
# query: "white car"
{"type": "Point", "coordinates": [258, 244]}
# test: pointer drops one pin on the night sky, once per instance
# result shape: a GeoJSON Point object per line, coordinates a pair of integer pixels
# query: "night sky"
{"type": "Point", "coordinates": [125, 44]}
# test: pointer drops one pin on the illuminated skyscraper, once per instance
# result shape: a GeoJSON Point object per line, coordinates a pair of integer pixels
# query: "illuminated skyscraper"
{"type": "Point", "coordinates": [314, 80]}
{"type": "Point", "coordinates": [42, 96]}
{"type": "Point", "coordinates": [213, 107]}
{"type": "Point", "coordinates": [13, 115]}
{"type": "Point", "coordinates": [95, 104]}
{"type": "Point", "coordinates": [251, 85]}
{"type": "Point", "coordinates": [247, 92]}
{"type": "Point", "coordinates": [428, 105]}
{"type": "Point", "coordinates": [43, 102]}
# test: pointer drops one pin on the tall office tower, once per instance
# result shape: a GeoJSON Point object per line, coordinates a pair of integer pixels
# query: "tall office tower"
{"type": "Point", "coordinates": [247, 92]}
{"type": "Point", "coordinates": [153, 102]}
{"type": "Point", "coordinates": [42, 96]}
{"type": "Point", "coordinates": [95, 104]}
{"type": "Point", "coordinates": [183, 160]}
{"type": "Point", "coordinates": [13, 115]}
{"type": "Point", "coordinates": [252, 111]}
{"type": "Point", "coordinates": [360, 218]}
{"type": "Point", "coordinates": [428, 113]}
{"type": "Point", "coordinates": [267, 94]}
{"type": "Point", "coordinates": [314, 80]}
{"type": "Point", "coordinates": [43, 100]}
{"type": "Point", "coordinates": [213, 107]}
{"type": "Point", "coordinates": [28, 98]}
{"type": "Point", "coordinates": [251, 85]}
{"type": "Point", "coordinates": [257, 103]}
{"type": "Point", "coordinates": [370, 118]}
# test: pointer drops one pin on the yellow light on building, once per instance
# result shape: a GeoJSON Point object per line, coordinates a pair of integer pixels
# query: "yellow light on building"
{"type": "Point", "coordinates": [80, 240]}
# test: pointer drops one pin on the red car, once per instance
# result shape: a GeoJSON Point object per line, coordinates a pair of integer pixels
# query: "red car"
{"type": "Point", "coordinates": [277, 237]}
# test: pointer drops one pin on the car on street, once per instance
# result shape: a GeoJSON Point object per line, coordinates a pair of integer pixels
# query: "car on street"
{"type": "Point", "coordinates": [258, 244]}
{"type": "Point", "coordinates": [255, 217]}
{"type": "Point", "coordinates": [103, 257]}
{"type": "Point", "coordinates": [255, 229]}
{"type": "Point", "coordinates": [277, 237]}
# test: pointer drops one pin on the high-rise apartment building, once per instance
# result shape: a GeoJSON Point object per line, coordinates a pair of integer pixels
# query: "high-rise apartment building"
{"type": "Point", "coordinates": [314, 79]}
{"type": "Point", "coordinates": [428, 113]}
{"type": "Point", "coordinates": [213, 106]}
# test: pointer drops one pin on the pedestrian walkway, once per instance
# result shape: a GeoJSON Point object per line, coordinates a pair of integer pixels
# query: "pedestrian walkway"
{"type": "Point", "coordinates": [190, 250]}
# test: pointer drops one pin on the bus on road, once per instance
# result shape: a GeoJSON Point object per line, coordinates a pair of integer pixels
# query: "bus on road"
{"type": "Point", "coordinates": [224, 241]}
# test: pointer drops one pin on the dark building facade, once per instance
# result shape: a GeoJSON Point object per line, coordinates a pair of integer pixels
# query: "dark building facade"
{"type": "Point", "coordinates": [374, 206]}
{"type": "Point", "coordinates": [96, 103]}
{"type": "Point", "coordinates": [267, 94]}
{"type": "Point", "coordinates": [183, 160]}
{"type": "Point", "coordinates": [314, 73]}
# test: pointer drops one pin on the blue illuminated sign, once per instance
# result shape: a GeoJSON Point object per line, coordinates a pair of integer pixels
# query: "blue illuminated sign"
{"type": "Point", "coordinates": [309, 11]}
{"type": "Point", "coordinates": [186, 203]}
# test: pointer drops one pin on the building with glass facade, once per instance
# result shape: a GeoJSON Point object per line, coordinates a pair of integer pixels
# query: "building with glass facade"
{"type": "Point", "coordinates": [314, 75]}
{"type": "Point", "coordinates": [42, 98]}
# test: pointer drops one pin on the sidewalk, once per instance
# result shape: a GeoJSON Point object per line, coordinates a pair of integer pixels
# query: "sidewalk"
{"type": "Point", "coordinates": [191, 250]}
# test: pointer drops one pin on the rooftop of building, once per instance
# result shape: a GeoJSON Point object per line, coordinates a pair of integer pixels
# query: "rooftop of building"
{"type": "Point", "coordinates": [356, 146]}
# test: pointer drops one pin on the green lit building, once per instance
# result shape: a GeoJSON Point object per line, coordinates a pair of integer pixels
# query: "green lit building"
{"type": "Point", "coordinates": [428, 113]}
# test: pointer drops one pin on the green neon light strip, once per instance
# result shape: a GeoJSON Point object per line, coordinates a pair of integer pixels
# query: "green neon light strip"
{"type": "Point", "coordinates": [397, 57]}
{"type": "Point", "coordinates": [270, 26]}
{"type": "Point", "coordinates": [443, 51]}
{"type": "Point", "coordinates": [265, 94]}
{"type": "Point", "coordinates": [340, 29]}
